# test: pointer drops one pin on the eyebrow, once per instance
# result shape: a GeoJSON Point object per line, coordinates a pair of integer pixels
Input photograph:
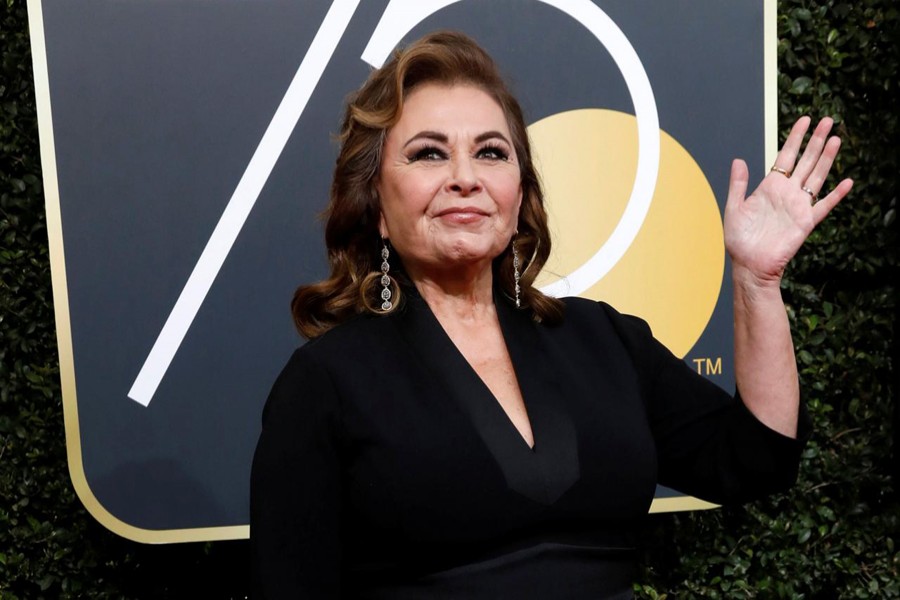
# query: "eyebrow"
{"type": "Point", "coordinates": [490, 135]}
{"type": "Point", "coordinates": [428, 135]}
{"type": "Point", "coordinates": [437, 136]}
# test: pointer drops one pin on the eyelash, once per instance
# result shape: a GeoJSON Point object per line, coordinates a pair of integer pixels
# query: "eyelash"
{"type": "Point", "coordinates": [499, 153]}
{"type": "Point", "coordinates": [434, 153]}
{"type": "Point", "coordinates": [427, 153]}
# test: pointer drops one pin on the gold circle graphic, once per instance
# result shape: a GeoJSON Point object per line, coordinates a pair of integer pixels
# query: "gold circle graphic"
{"type": "Point", "coordinates": [671, 274]}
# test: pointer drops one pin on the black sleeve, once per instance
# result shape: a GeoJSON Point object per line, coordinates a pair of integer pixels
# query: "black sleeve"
{"type": "Point", "coordinates": [709, 445]}
{"type": "Point", "coordinates": [295, 488]}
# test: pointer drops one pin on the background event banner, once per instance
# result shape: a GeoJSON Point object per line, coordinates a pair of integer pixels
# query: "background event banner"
{"type": "Point", "coordinates": [187, 150]}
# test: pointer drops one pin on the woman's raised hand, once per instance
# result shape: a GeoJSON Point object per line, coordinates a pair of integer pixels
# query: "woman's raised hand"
{"type": "Point", "coordinates": [764, 230]}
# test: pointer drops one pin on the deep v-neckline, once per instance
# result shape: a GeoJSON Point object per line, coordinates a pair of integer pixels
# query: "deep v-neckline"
{"type": "Point", "coordinates": [487, 388]}
{"type": "Point", "coordinates": [542, 472]}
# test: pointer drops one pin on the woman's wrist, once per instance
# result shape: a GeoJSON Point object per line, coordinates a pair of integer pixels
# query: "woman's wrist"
{"type": "Point", "coordinates": [752, 287]}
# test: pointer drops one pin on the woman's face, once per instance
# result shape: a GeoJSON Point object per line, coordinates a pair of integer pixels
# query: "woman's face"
{"type": "Point", "coordinates": [449, 182]}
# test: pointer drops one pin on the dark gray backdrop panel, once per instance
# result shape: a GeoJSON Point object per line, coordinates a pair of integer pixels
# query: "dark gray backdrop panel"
{"type": "Point", "coordinates": [157, 109]}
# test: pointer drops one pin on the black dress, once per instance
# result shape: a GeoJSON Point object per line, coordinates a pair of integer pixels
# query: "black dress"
{"type": "Point", "coordinates": [386, 468]}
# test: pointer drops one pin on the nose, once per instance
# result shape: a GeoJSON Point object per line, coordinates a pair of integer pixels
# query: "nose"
{"type": "Point", "coordinates": [463, 179]}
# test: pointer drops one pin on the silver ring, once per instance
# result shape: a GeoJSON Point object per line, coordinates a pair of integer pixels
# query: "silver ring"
{"type": "Point", "coordinates": [813, 198]}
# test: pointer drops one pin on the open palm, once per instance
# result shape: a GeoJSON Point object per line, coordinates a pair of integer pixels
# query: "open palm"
{"type": "Point", "coordinates": [764, 230]}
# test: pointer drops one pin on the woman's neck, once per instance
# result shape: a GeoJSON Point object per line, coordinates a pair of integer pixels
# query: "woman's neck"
{"type": "Point", "coordinates": [457, 295]}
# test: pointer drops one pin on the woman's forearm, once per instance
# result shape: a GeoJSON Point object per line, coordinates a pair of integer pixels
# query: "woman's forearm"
{"type": "Point", "coordinates": [764, 362]}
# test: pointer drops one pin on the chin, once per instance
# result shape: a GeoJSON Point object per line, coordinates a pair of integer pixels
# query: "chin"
{"type": "Point", "coordinates": [469, 253]}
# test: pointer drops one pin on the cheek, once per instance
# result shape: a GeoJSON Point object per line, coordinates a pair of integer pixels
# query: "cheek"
{"type": "Point", "coordinates": [415, 193]}
{"type": "Point", "coordinates": [509, 192]}
{"type": "Point", "coordinates": [403, 203]}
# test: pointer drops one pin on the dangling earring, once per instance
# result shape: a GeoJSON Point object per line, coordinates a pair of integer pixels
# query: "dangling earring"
{"type": "Point", "coordinates": [385, 278]}
{"type": "Point", "coordinates": [516, 274]}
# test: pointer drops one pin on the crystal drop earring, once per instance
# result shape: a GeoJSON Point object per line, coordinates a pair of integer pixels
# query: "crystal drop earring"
{"type": "Point", "coordinates": [386, 303]}
{"type": "Point", "coordinates": [516, 276]}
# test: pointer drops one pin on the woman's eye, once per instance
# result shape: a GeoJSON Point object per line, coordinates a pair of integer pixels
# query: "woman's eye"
{"type": "Point", "coordinates": [493, 153]}
{"type": "Point", "coordinates": [428, 153]}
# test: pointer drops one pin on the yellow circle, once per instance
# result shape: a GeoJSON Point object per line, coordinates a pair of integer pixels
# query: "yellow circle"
{"type": "Point", "coordinates": [671, 274]}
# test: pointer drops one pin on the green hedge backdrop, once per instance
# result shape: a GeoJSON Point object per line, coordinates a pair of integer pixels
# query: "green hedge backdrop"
{"type": "Point", "coordinates": [835, 535]}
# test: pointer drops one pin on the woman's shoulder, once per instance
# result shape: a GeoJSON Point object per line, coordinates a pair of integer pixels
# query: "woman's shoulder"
{"type": "Point", "coordinates": [579, 310]}
{"type": "Point", "coordinates": [353, 344]}
{"type": "Point", "coordinates": [359, 333]}
{"type": "Point", "coordinates": [320, 364]}
{"type": "Point", "coordinates": [597, 320]}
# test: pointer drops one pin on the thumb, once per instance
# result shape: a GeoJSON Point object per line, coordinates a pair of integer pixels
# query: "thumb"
{"type": "Point", "coordinates": [737, 185]}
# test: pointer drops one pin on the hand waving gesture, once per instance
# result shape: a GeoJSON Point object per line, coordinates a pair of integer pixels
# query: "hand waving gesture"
{"type": "Point", "coordinates": [764, 230]}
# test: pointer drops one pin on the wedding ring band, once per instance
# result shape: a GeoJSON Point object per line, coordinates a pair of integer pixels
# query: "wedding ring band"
{"type": "Point", "coordinates": [777, 169]}
{"type": "Point", "coordinates": [813, 198]}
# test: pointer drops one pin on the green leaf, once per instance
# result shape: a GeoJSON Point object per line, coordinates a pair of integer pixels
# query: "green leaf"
{"type": "Point", "coordinates": [800, 85]}
{"type": "Point", "coordinates": [812, 321]}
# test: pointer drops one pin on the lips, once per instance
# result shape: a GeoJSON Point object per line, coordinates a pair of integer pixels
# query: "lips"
{"type": "Point", "coordinates": [462, 210]}
{"type": "Point", "coordinates": [462, 215]}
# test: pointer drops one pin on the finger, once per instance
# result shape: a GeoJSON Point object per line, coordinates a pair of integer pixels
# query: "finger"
{"type": "Point", "coordinates": [787, 156]}
{"type": "Point", "coordinates": [816, 178]}
{"type": "Point", "coordinates": [813, 150]}
{"type": "Point", "coordinates": [821, 208]}
{"type": "Point", "coordinates": [737, 185]}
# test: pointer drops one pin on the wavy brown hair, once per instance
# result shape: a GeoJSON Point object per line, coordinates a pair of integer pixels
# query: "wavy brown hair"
{"type": "Point", "coordinates": [351, 230]}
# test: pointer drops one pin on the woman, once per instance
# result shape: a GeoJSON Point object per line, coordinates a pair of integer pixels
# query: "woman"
{"type": "Point", "coordinates": [449, 431]}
